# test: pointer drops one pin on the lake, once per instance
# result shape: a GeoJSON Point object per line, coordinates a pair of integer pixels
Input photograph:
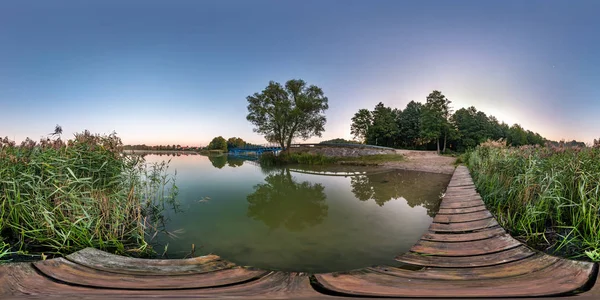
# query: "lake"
{"type": "Point", "coordinates": [291, 219]}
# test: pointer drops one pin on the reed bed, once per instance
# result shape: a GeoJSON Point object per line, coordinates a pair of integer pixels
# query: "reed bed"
{"type": "Point", "coordinates": [59, 197]}
{"type": "Point", "coordinates": [548, 197]}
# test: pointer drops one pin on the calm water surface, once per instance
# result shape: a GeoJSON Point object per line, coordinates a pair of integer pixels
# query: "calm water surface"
{"type": "Point", "coordinates": [286, 219]}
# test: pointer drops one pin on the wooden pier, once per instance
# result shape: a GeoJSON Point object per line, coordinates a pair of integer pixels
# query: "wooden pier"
{"type": "Point", "coordinates": [465, 254]}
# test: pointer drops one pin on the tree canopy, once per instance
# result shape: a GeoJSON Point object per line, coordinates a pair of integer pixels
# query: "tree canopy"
{"type": "Point", "coordinates": [235, 142]}
{"type": "Point", "coordinates": [218, 143]}
{"type": "Point", "coordinates": [283, 113]}
{"type": "Point", "coordinates": [360, 124]}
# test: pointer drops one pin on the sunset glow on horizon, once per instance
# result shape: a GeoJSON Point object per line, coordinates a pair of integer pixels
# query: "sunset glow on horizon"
{"type": "Point", "coordinates": [180, 72]}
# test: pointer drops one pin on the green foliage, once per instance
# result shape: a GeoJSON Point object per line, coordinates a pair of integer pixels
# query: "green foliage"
{"type": "Point", "coordinates": [384, 128]}
{"type": "Point", "coordinates": [474, 127]}
{"type": "Point", "coordinates": [409, 124]}
{"type": "Point", "coordinates": [436, 119]}
{"type": "Point", "coordinates": [547, 196]}
{"type": "Point", "coordinates": [218, 143]}
{"type": "Point", "coordinates": [58, 197]}
{"type": "Point", "coordinates": [284, 113]}
{"type": "Point", "coordinates": [361, 122]}
{"type": "Point", "coordinates": [235, 142]}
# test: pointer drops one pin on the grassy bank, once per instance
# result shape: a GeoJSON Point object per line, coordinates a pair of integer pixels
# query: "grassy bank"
{"type": "Point", "coordinates": [319, 159]}
{"type": "Point", "coordinates": [548, 197]}
{"type": "Point", "coordinates": [59, 197]}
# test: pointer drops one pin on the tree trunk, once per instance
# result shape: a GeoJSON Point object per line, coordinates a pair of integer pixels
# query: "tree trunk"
{"type": "Point", "coordinates": [444, 150]}
{"type": "Point", "coordinates": [438, 145]}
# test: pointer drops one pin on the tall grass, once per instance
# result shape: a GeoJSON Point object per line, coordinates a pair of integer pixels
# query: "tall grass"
{"type": "Point", "coordinates": [59, 197]}
{"type": "Point", "coordinates": [548, 196]}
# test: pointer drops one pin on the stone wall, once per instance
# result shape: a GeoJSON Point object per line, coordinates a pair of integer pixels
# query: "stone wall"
{"type": "Point", "coordinates": [335, 151]}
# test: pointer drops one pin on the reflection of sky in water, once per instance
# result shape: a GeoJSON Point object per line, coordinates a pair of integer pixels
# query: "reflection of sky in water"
{"type": "Point", "coordinates": [286, 220]}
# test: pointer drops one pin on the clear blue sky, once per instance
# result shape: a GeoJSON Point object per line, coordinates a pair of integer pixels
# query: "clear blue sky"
{"type": "Point", "coordinates": [179, 71]}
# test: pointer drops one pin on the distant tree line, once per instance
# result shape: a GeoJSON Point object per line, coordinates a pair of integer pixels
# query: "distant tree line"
{"type": "Point", "coordinates": [433, 125]}
{"type": "Point", "coordinates": [339, 141]}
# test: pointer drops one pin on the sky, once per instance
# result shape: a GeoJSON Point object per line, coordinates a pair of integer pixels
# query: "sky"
{"type": "Point", "coordinates": [179, 72]}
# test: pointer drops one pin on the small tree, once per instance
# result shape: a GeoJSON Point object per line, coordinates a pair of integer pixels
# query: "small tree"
{"type": "Point", "coordinates": [284, 113]}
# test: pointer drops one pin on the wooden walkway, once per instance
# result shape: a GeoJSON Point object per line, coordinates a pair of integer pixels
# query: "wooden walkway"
{"type": "Point", "coordinates": [465, 253]}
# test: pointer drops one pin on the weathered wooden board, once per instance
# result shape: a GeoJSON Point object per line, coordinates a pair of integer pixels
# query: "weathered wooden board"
{"type": "Point", "coordinates": [527, 265]}
{"type": "Point", "coordinates": [464, 237]}
{"type": "Point", "coordinates": [104, 261]}
{"type": "Point", "coordinates": [19, 280]}
{"type": "Point", "coordinates": [459, 218]}
{"type": "Point", "coordinates": [66, 271]}
{"type": "Point", "coordinates": [464, 226]}
{"type": "Point", "coordinates": [513, 254]}
{"type": "Point", "coordinates": [463, 204]}
{"type": "Point", "coordinates": [556, 279]}
{"type": "Point", "coordinates": [479, 247]}
{"type": "Point", "coordinates": [464, 210]}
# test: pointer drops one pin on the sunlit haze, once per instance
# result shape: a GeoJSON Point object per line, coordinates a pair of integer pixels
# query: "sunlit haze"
{"type": "Point", "coordinates": [178, 72]}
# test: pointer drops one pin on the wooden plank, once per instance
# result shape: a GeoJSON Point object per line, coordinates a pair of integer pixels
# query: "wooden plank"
{"type": "Point", "coordinates": [461, 210]}
{"type": "Point", "coordinates": [104, 261]}
{"type": "Point", "coordinates": [67, 271]}
{"type": "Point", "coordinates": [514, 254]}
{"type": "Point", "coordinates": [556, 279]}
{"type": "Point", "coordinates": [461, 204]}
{"type": "Point", "coordinates": [463, 237]}
{"type": "Point", "coordinates": [527, 265]}
{"type": "Point", "coordinates": [23, 281]}
{"type": "Point", "coordinates": [466, 198]}
{"type": "Point", "coordinates": [466, 217]}
{"type": "Point", "coordinates": [471, 248]}
{"type": "Point", "coordinates": [464, 226]}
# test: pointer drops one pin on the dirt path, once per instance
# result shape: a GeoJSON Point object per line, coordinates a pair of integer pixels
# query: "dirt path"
{"type": "Point", "coordinates": [426, 161]}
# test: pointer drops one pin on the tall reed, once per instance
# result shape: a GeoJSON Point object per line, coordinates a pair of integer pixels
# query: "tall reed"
{"type": "Point", "coordinates": [59, 197]}
{"type": "Point", "coordinates": [546, 196]}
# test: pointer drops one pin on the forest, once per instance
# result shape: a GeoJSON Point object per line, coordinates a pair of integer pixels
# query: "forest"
{"type": "Point", "coordinates": [434, 125]}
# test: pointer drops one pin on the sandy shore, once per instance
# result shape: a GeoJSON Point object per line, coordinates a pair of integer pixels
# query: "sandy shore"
{"type": "Point", "coordinates": [425, 161]}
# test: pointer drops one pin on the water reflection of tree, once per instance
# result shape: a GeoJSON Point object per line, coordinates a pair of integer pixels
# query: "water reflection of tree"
{"type": "Point", "coordinates": [233, 161]}
{"type": "Point", "coordinates": [282, 202]}
{"type": "Point", "coordinates": [218, 161]}
{"type": "Point", "coordinates": [417, 188]}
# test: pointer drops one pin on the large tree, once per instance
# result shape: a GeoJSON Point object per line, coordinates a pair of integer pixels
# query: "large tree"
{"type": "Point", "coordinates": [283, 113]}
{"type": "Point", "coordinates": [436, 116]}
{"type": "Point", "coordinates": [360, 124]}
